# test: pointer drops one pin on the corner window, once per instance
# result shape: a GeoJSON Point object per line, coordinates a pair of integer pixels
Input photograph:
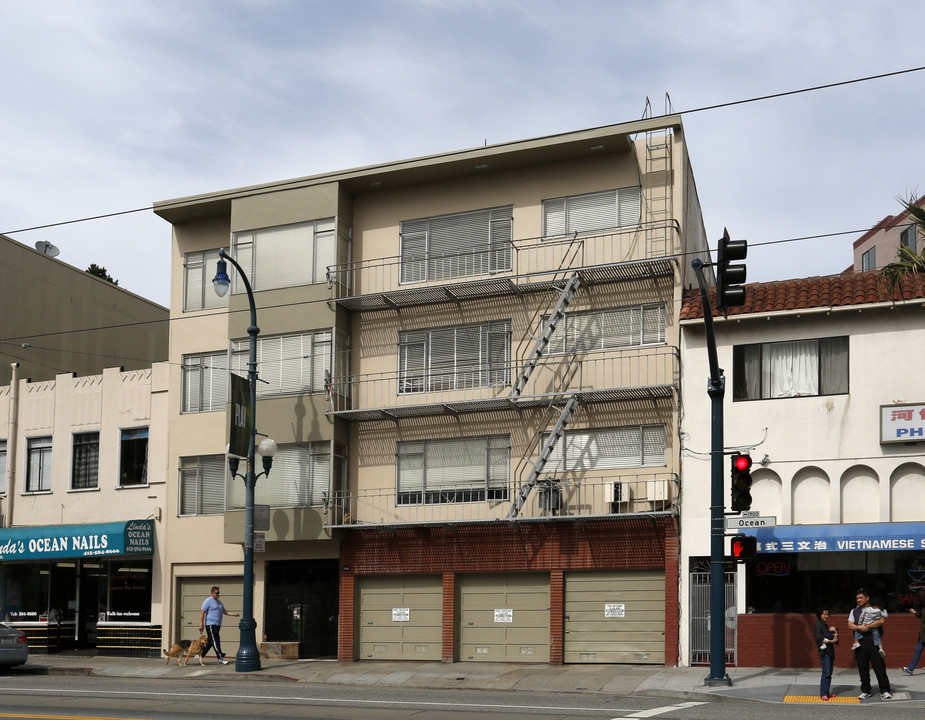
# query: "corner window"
{"type": "Point", "coordinates": [85, 461]}
{"type": "Point", "coordinates": [608, 329]}
{"type": "Point", "coordinates": [790, 369]}
{"type": "Point", "coordinates": [202, 485]}
{"type": "Point", "coordinates": [198, 271]}
{"type": "Point", "coordinates": [133, 457]}
{"type": "Point", "coordinates": [608, 448]}
{"type": "Point", "coordinates": [869, 260]}
{"type": "Point", "coordinates": [456, 246]}
{"type": "Point", "coordinates": [456, 470]}
{"type": "Point", "coordinates": [38, 464]}
{"type": "Point", "coordinates": [592, 212]}
{"type": "Point", "coordinates": [285, 256]}
{"type": "Point", "coordinates": [290, 364]}
{"type": "Point", "coordinates": [205, 382]}
{"type": "Point", "coordinates": [455, 358]}
{"type": "Point", "coordinates": [300, 477]}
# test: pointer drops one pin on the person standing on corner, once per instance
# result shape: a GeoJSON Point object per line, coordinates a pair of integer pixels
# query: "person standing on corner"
{"type": "Point", "coordinates": [919, 612]}
{"type": "Point", "coordinates": [826, 639]}
{"type": "Point", "coordinates": [210, 619]}
{"type": "Point", "coordinates": [866, 654]}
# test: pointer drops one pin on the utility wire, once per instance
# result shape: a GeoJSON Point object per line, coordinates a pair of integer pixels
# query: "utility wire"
{"type": "Point", "coordinates": [332, 175]}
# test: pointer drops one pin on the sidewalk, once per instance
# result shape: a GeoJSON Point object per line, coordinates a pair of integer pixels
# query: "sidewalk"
{"type": "Point", "coordinates": [776, 685]}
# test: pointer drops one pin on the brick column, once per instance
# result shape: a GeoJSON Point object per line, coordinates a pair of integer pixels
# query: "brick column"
{"type": "Point", "coordinates": [556, 616]}
{"type": "Point", "coordinates": [346, 618]}
{"type": "Point", "coordinates": [448, 650]}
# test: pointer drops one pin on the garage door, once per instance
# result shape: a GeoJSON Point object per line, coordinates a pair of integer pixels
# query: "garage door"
{"type": "Point", "coordinates": [504, 618]}
{"type": "Point", "coordinates": [615, 617]}
{"type": "Point", "coordinates": [400, 618]}
{"type": "Point", "coordinates": [192, 592]}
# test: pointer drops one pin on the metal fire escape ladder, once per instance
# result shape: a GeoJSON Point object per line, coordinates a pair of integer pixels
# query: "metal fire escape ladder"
{"type": "Point", "coordinates": [548, 447]}
{"type": "Point", "coordinates": [542, 342]}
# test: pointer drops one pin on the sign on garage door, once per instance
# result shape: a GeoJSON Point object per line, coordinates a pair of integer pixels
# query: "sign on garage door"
{"type": "Point", "coordinates": [504, 618]}
{"type": "Point", "coordinates": [400, 617]}
{"type": "Point", "coordinates": [615, 617]}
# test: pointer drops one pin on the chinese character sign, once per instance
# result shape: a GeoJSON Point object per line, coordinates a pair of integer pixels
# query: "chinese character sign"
{"type": "Point", "coordinates": [902, 423]}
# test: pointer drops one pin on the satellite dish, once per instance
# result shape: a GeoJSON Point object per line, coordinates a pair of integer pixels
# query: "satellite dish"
{"type": "Point", "coordinates": [46, 248]}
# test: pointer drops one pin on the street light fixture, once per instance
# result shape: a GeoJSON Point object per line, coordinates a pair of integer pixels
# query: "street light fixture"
{"type": "Point", "coordinates": [248, 656]}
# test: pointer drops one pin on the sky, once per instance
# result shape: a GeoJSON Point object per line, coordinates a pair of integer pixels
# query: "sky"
{"type": "Point", "coordinates": [112, 106]}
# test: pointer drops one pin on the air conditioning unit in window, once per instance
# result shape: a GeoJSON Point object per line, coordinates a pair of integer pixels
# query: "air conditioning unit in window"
{"type": "Point", "coordinates": [622, 492]}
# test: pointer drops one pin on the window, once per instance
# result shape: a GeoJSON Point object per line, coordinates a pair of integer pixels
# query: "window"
{"type": "Point", "coordinates": [2, 467]}
{"type": "Point", "coordinates": [202, 485]}
{"type": "Point", "coordinates": [591, 212]}
{"type": "Point", "coordinates": [456, 246]}
{"type": "Point", "coordinates": [205, 382]}
{"type": "Point", "coordinates": [198, 270]}
{"type": "Point", "coordinates": [454, 358]}
{"type": "Point", "coordinates": [85, 461]}
{"type": "Point", "coordinates": [790, 369]}
{"type": "Point", "coordinates": [869, 260]}
{"type": "Point", "coordinates": [300, 477]}
{"type": "Point", "coordinates": [608, 448]}
{"type": "Point", "coordinates": [606, 329]}
{"type": "Point", "coordinates": [454, 470]}
{"type": "Point", "coordinates": [285, 256]}
{"type": "Point", "coordinates": [907, 238]}
{"type": "Point", "coordinates": [133, 457]}
{"type": "Point", "coordinates": [38, 470]}
{"type": "Point", "coordinates": [289, 363]}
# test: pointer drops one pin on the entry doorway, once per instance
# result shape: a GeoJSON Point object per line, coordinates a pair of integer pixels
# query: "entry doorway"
{"type": "Point", "coordinates": [301, 604]}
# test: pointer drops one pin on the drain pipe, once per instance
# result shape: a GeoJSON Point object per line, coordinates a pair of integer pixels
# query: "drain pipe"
{"type": "Point", "coordinates": [12, 443]}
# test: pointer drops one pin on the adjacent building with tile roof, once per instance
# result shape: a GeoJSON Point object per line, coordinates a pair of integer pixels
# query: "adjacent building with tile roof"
{"type": "Point", "coordinates": [824, 390]}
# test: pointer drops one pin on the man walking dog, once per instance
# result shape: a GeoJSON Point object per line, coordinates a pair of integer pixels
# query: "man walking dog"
{"type": "Point", "coordinates": [210, 618]}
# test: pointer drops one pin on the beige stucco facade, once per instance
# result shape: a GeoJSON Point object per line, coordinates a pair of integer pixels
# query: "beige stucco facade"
{"type": "Point", "coordinates": [363, 296]}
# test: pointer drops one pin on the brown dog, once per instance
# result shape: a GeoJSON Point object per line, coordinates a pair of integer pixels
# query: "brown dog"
{"type": "Point", "coordinates": [190, 647]}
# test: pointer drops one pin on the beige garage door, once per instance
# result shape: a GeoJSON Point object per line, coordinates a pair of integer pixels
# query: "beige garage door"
{"type": "Point", "coordinates": [615, 617]}
{"type": "Point", "coordinates": [192, 592]}
{"type": "Point", "coordinates": [400, 618]}
{"type": "Point", "coordinates": [504, 618]}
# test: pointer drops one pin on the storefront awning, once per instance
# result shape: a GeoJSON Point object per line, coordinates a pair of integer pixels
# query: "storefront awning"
{"type": "Point", "coordinates": [840, 538]}
{"type": "Point", "coordinates": [134, 537]}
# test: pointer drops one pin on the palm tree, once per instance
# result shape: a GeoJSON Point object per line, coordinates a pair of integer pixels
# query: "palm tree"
{"type": "Point", "coordinates": [908, 262]}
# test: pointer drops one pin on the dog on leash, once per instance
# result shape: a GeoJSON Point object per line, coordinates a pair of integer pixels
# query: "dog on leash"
{"type": "Point", "coordinates": [190, 647]}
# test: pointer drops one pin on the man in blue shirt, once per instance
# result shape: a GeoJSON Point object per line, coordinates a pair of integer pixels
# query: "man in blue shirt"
{"type": "Point", "coordinates": [210, 618]}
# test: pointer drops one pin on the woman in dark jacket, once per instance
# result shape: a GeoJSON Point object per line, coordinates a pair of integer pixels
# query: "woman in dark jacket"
{"type": "Point", "coordinates": [826, 640]}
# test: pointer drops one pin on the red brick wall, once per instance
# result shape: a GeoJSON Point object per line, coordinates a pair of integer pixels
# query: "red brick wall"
{"type": "Point", "coordinates": [553, 547]}
{"type": "Point", "coordinates": [786, 640]}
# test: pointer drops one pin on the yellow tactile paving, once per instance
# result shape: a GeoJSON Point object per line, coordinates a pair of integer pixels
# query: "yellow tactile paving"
{"type": "Point", "coordinates": [847, 700]}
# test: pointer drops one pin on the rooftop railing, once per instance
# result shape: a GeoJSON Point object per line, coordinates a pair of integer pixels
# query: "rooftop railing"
{"type": "Point", "coordinates": [556, 498]}
{"type": "Point", "coordinates": [503, 267]}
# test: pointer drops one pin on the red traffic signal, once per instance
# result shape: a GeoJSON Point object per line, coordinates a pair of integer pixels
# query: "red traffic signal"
{"type": "Point", "coordinates": [743, 547]}
{"type": "Point", "coordinates": [741, 482]}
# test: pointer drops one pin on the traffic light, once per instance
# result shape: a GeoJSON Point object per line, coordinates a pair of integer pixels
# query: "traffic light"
{"type": "Point", "coordinates": [743, 547]}
{"type": "Point", "coordinates": [741, 482]}
{"type": "Point", "coordinates": [729, 278]}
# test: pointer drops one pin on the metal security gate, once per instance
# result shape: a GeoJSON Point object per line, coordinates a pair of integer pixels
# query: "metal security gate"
{"type": "Point", "coordinates": [700, 618]}
{"type": "Point", "coordinates": [300, 601]}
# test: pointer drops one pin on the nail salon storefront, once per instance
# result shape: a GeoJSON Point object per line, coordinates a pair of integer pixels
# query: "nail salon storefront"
{"type": "Point", "coordinates": [81, 586]}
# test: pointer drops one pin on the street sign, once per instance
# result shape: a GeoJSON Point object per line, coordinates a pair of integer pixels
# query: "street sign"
{"type": "Point", "coordinates": [744, 523]}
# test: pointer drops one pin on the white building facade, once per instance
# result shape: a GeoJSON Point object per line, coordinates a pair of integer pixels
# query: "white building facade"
{"type": "Point", "coordinates": [823, 391]}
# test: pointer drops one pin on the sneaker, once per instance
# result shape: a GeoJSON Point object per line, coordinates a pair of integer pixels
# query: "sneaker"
{"type": "Point", "coordinates": [882, 654]}
{"type": "Point", "coordinates": [222, 661]}
{"type": "Point", "coordinates": [906, 670]}
{"type": "Point", "coordinates": [863, 696]}
{"type": "Point", "coordinates": [856, 646]}
{"type": "Point", "coordinates": [824, 698]}
{"type": "Point", "coordinates": [886, 696]}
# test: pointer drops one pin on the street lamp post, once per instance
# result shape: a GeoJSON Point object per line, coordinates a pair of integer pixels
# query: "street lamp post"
{"type": "Point", "coordinates": [248, 656]}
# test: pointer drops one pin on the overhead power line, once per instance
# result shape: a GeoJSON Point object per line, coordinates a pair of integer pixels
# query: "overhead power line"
{"type": "Point", "coordinates": [284, 183]}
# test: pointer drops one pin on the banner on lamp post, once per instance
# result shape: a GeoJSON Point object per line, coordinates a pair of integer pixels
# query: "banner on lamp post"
{"type": "Point", "coordinates": [242, 417]}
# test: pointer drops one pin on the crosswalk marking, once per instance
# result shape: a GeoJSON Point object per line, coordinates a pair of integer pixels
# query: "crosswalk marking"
{"type": "Point", "coordinates": [659, 710]}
